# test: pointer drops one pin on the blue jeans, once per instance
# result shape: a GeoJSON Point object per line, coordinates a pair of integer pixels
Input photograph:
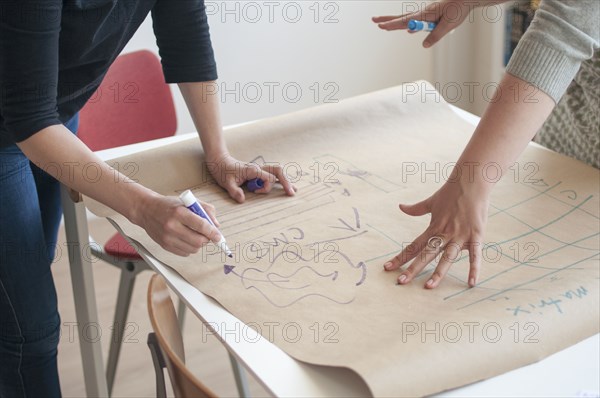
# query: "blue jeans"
{"type": "Point", "coordinates": [30, 214]}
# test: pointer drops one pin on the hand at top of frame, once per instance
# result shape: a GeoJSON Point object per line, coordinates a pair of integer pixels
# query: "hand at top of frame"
{"type": "Point", "coordinates": [458, 217]}
{"type": "Point", "coordinates": [231, 174]}
{"type": "Point", "coordinates": [448, 14]}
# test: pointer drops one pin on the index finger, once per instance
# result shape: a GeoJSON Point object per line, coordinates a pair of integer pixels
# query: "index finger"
{"type": "Point", "coordinates": [474, 261]}
{"type": "Point", "coordinates": [431, 13]}
{"type": "Point", "coordinates": [385, 18]}
{"type": "Point", "coordinates": [252, 171]}
{"type": "Point", "coordinates": [397, 23]}
{"type": "Point", "coordinates": [408, 253]}
{"type": "Point", "coordinates": [211, 211]}
{"type": "Point", "coordinates": [198, 224]}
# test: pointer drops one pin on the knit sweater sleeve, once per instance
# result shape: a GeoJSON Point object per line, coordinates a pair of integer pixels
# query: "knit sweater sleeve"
{"type": "Point", "coordinates": [561, 36]}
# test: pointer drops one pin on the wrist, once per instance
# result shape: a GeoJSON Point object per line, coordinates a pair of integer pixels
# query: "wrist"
{"type": "Point", "coordinates": [475, 177]}
{"type": "Point", "coordinates": [138, 200]}
{"type": "Point", "coordinates": [215, 156]}
{"type": "Point", "coordinates": [215, 148]}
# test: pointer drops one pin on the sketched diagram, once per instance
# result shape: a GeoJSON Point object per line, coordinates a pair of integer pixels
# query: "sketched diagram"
{"type": "Point", "coordinates": [317, 270]}
{"type": "Point", "coordinates": [325, 274]}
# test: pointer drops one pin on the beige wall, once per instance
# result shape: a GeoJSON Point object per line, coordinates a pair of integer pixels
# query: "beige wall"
{"type": "Point", "coordinates": [469, 62]}
{"type": "Point", "coordinates": [331, 54]}
{"type": "Point", "coordinates": [269, 51]}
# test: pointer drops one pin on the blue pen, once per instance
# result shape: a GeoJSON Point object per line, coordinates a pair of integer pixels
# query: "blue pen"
{"type": "Point", "coordinates": [189, 201]}
{"type": "Point", "coordinates": [415, 26]}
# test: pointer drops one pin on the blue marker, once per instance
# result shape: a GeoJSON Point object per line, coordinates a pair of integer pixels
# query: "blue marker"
{"type": "Point", "coordinates": [255, 184]}
{"type": "Point", "coordinates": [189, 201]}
{"type": "Point", "coordinates": [415, 26]}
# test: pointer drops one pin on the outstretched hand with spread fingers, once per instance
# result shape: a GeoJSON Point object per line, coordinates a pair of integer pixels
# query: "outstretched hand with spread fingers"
{"type": "Point", "coordinates": [458, 218]}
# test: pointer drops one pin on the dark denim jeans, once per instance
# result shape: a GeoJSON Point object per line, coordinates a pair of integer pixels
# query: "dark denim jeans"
{"type": "Point", "coordinates": [30, 214]}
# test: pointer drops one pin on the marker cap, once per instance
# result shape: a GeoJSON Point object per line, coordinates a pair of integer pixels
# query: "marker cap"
{"type": "Point", "coordinates": [188, 198]}
{"type": "Point", "coordinates": [255, 184]}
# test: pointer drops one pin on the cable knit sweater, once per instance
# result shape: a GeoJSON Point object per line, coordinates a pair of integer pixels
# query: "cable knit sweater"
{"type": "Point", "coordinates": [562, 36]}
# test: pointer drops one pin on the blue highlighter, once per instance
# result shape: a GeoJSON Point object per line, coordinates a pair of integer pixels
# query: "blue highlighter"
{"type": "Point", "coordinates": [415, 26]}
{"type": "Point", "coordinates": [255, 184]}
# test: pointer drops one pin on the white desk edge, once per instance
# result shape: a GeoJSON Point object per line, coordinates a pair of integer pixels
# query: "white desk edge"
{"type": "Point", "coordinates": [284, 376]}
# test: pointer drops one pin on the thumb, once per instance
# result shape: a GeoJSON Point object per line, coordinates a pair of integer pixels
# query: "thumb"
{"type": "Point", "coordinates": [234, 191]}
{"type": "Point", "coordinates": [417, 209]}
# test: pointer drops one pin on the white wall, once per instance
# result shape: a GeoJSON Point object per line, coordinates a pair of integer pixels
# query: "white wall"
{"type": "Point", "coordinates": [468, 64]}
{"type": "Point", "coordinates": [258, 44]}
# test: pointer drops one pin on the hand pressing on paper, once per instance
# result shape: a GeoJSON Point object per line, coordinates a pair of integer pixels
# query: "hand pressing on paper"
{"type": "Point", "coordinates": [448, 14]}
{"type": "Point", "coordinates": [231, 174]}
{"type": "Point", "coordinates": [458, 218]}
{"type": "Point", "coordinates": [174, 227]}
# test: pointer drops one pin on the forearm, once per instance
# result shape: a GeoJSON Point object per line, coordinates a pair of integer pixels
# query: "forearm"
{"type": "Point", "coordinates": [58, 152]}
{"type": "Point", "coordinates": [506, 128]}
{"type": "Point", "coordinates": [204, 109]}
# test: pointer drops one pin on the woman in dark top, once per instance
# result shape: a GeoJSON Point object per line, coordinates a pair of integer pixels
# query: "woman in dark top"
{"type": "Point", "coordinates": [53, 56]}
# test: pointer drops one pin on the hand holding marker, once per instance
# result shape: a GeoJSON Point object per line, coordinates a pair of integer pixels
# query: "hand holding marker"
{"type": "Point", "coordinates": [415, 26]}
{"type": "Point", "coordinates": [189, 201]}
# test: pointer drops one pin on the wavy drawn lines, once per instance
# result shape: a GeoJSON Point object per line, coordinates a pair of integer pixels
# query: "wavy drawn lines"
{"type": "Point", "coordinates": [361, 265]}
{"type": "Point", "coordinates": [291, 277]}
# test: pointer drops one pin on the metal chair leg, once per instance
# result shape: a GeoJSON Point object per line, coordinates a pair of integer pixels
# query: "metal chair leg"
{"type": "Point", "coordinates": [240, 377]}
{"type": "Point", "coordinates": [159, 364]}
{"type": "Point", "coordinates": [126, 284]}
{"type": "Point", "coordinates": [181, 307]}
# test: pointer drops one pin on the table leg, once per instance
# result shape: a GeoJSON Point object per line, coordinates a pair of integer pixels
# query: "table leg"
{"type": "Point", "coordinates": [240, 377]}
{"type": "Point", "coordinates": [84, 294]}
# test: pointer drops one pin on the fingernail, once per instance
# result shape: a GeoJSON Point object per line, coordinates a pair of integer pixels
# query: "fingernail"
{"type": "Point", "coordinates": [426, 44]}
{"type": "Point", "coordinates": [472, 282]}
{"type": "Point", "coordinates": [402, 278]}
{"type": "Point", "coordinates": [387, 265]}
{"type": "Point", "coordinates": [429, 282]}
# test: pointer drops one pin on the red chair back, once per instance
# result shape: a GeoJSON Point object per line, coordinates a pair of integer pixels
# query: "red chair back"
{"type": "Point", "coordinates": [133, 104]}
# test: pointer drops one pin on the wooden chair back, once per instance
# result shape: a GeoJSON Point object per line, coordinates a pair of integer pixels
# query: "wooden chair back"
{"type": "Point", "coordinates": [164, 322]}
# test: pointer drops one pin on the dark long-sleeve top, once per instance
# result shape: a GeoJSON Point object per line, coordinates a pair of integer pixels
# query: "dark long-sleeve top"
{"type": "Point", "coordinates": [55, 53]}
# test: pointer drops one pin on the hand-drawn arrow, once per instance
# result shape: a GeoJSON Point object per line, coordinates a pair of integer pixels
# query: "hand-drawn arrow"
{"type": "Point", "coordinates": [228, 268]}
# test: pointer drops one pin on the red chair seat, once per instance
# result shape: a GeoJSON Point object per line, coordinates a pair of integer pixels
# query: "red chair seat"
{"type": "Point", "coordinates": [118, 246]}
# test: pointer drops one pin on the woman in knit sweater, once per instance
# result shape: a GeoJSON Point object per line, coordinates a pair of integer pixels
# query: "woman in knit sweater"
{"type": "Point", "coordinates": [558, 54]}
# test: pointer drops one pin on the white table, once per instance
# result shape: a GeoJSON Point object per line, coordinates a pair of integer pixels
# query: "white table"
{"type": "Point", "coordinates": [565, 373]}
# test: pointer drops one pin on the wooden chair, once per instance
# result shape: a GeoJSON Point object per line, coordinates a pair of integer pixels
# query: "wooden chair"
{"type": "Point", "coordinates": [166, 345]}
{"type": "Point", "coordinates": [133, 104]}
